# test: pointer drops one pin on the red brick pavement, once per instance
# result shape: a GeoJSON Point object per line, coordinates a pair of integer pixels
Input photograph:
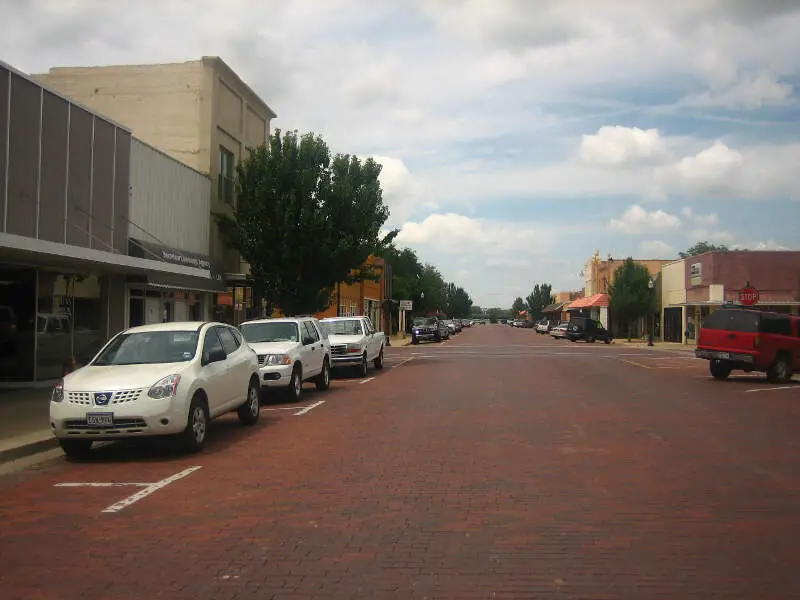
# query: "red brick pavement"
{"type": "Point", "coordinates": [553, 471]}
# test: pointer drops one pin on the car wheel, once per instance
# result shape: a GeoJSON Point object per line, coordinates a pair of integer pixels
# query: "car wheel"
{"type": "Point", "coordinates": [590, 340]}
{"type": "Point", "coordinates": [438, 337]}
{"type": "Point", "coordinates": [323, 380]}
{"type": "Point", "coordinates": [607, 340]}
{"type": "Point", "coordinates": [196, 432]}
{"type": "Point", "coordinates": [363, 366]}
{"type": "Point", "coordinates": [295, 389]}
{"type": "Point", "coordinates": [249, 411]}
{"type": "Point", "coordinates": [719, 369]}
{"type": "Point", "coordinates": [781, 370]}
{"type": "Point", "coordinates": [76, 449]}
{"type": "Point", "coordinates": [378, 362]}
{"type": "Point", "coordinates": [414, 340]}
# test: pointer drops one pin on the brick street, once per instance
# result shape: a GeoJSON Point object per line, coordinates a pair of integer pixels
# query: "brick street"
{"type": "Point", "coordinates": [501, 464]}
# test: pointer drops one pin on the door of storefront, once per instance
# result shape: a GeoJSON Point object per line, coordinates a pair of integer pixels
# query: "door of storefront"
{"type": "Point", "coordinates": [673, 327]}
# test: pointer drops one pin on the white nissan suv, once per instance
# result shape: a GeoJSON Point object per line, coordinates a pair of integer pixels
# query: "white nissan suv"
{"type": "Point", "coordinates": [290, 350]}
{"type": "Point", "coordinates": [168, 378]}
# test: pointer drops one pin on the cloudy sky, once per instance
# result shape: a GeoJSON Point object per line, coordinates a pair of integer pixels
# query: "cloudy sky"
{"type": "Point", "coordinates": [517, 136]}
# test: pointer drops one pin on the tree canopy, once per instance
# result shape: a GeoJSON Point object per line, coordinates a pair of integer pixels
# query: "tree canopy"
{"type": "Point", "coordinates": [517, 307]}
{"type": "Point", "coordinates": [702, 248]}
{"type": "Point", "coordinates": [631, 295]}
{"type": "Point", "coordinates": [304, 221]}
{"type": "Point", "coordinates": [541, 296]}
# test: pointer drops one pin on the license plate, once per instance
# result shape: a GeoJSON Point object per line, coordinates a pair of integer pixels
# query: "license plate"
{"type": "Point", "coordinates": [723, 355]}
{"type": "Point", "coordinates": [100, 419]}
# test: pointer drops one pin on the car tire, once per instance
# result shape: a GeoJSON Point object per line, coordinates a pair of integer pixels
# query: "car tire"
{"type": "Point", "coordinates": [780, 371]}
{"type": "Point", "coordinates": [295, 389]}
{"type": "Point", "coordinates": [323, 380]}
{"type": "Point", "coordinates": [607, 340]}
{"type": "Point", "coordinates": [719, 369]}
{"type": "Point", "coordinates": [438, 337]}
{"type": "Point", "coordinates": [363, 366]}
{"type": "Point", "coordinates": [195, 434]}
{"type": "Point", "coordinates": [76, 449]}
{"type": "Point", "coordinates": [590, 340]}
{"type": "Point", "coordinates": [249, 412]}
{"type": "Point", "coordinates": [414, 340]}
{"type": "Point", "coordinates": [378, 362]}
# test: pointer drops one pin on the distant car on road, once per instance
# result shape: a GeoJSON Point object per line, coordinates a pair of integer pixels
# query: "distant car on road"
{"type": "Point", "coordinates": [588, 330]}
{"type": "Point", "coordinates": [559, 332]}
{"type": "Point", "coordinates": [430, 329]}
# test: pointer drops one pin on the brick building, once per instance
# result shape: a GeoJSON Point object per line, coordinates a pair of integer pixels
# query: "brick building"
{"type": "Point", "coordinates": [693, 288]}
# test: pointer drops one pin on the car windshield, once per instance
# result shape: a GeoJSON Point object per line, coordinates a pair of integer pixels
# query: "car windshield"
{"type": "Point", "coordinates": [281, 331]}
{"type": "Point", "coordinates": [424, 321]}
{"type": "Point", "coordinates": [345, 327]}
{"type": "Point", "coordinates": [149, 348]}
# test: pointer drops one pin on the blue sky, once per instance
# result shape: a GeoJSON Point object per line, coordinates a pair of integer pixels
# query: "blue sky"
{"type": "Point", "coordinates": [517, 136]}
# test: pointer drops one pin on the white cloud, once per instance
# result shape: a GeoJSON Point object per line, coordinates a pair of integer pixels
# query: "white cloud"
{"type": "Point", "coordinates": [656, 249]}
{"type": "Point", "coordinates": [711, 236]}
{"type": "Point", "coordinates": [765, 245]}
{"type": "Point", "coordinates": [617, 146]}
{"type": "Point", "coordinates": [400, 190]}
{"type": "Point", "coordinates": [700, 220]}
{"type": "Point", "coordinates": [636, 220]}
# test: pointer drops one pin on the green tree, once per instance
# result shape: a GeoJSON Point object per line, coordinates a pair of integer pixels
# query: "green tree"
{"type": "Point", "coordinates": [517, 307]}
{"type": "Point", "coordinates": [457, 301]}
{"type": "Point", "coordinates": [541, 296]}
{"type": "Point", "coordinates": [304, 222]}
{"type": "Point", "coordinates": [631, 295]}
{"type": "Point", "coordinates": [702, 248]}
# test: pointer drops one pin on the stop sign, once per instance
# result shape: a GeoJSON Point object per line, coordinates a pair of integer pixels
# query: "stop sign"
{"type": "Point", "coordinates": [748, 295]}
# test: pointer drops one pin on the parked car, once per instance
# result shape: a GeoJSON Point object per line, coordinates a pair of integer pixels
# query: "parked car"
{"type": "Point", "coordinates": [163, 379]}
{"type": "Point", "coordinates": [559, 332]}
{"type": "Point", "coordinates": [354, 342]}
{"type": "Point", "coordinates": [588, 330]}
{"type": "Point", "coordinates": [544, 326]}
{"type": "Point", "coordinates": [750, 340]}
{"type": "Point", "coordinates": [430, 329]}
{"type": "Point", "coordinates": [290, 350]}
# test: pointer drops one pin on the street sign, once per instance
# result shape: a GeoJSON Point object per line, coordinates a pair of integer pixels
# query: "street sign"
{"type": "Point", "coordinates": [748, 295]}
{"type": "Point", "coordinates": [406, 305]}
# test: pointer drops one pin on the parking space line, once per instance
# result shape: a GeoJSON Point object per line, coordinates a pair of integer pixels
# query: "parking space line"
{"type": "Point", "coordinates": [635, 364]}
{"type": "Point", "coordinates": [308, 409]}
{"type": "Point", "coordinates": [102, 484]}
{"type": "Point", "coordinates": [367, 380]}
{"type": "Point", "coordinates": [153, 487]}
{"type": "Point", "coordinates": [774, 389]}
{"type": "Point", "coordinates": [400, 364]}
{"type": "Point", "coordinates": [281, 408]}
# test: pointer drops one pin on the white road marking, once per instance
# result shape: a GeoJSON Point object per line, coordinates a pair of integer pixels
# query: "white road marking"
{"type": "Point", "coordinates": [400, 364]}
{"type": "Point", "coordinates": [635, 364]}
{"type": "Point", "coordinates": [102, 484]}
{"type": "Point", "coordinates": [308, 409]}
{"type": "Point", "coordinates": [367, 380]}
{"type": "Point", "coordinates": [153, 487]}
{"type": "Point", "coordinates": [281, 408]}
{"type": "Point", "coordinates": [774, 389]}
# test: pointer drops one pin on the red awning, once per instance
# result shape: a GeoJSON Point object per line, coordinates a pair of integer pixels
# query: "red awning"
{"type": "Point", "coordinates": [596, 301]}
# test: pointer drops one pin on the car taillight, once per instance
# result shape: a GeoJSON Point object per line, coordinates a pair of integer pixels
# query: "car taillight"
{"type": "Point", "coordinates": [756, 341]}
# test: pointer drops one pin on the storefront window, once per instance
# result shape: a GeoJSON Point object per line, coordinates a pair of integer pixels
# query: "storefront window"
{"type": "Point", "coordinates": [17, 323]}
{"type": "Point", "coordinates": [54, 325]}
{"type": "Point", "coordinates": [89, 318]}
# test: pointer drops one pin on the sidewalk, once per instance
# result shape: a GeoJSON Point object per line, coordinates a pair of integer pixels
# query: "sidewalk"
{"type": "Point", "coordinates": [641, 343]}
{"type": "Point", "coordinates": [23, 422]}
{"type": "Point", "coordinates": [397, 341]}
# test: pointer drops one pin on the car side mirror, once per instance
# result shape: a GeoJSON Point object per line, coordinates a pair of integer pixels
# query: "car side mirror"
{"type": "Point", "coordinates": [215, 355]}
{"type": "Point", "coordinates": [307, 340]}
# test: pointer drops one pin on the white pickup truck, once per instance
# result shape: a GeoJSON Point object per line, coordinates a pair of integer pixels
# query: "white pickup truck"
{"type": "Point", "coordinates": [354, 343]}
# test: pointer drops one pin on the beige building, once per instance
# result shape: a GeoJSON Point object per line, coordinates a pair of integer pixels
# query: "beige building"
{"type": "Point", "coordinates": [199, 112]}
{"type": "Point", "coordinates": [599, 274]}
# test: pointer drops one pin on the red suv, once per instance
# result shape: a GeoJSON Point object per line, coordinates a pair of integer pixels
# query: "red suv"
{"type": "Point", "coordinates": [750, 340]}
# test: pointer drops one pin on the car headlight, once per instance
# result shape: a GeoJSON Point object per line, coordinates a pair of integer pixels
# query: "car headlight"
{"type": "Point", "coordinates": [277, 359]}
{"type": "Point", "coordinates": [354, 348]}
{"type": "Point", "coordinates": [165, 388]}
{"type": "Point", "coordinates": [58, 392]}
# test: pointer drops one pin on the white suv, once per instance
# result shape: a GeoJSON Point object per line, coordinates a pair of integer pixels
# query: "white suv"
{"type": "Point", "coordinates": [290, 350]}
{"type": "Point", "coordinates": [168, 378]}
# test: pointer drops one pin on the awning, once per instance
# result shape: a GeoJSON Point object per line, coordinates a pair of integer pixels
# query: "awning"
{"type": "Point", "coordinates": [179, 282]}
{"type": "Point", "coordinates": [595, 301]}
{"type": "Point", "coordinates": [556, 307]}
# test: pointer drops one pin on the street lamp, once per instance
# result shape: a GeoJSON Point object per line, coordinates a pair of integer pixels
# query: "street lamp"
{"type": "Point", "coordinates": [650, 286]}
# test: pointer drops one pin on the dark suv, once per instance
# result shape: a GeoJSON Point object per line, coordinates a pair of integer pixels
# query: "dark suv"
{"type": "Point", "coordinates": [750, 340]}
{"type": "Point", "coordinates": [589, 330]}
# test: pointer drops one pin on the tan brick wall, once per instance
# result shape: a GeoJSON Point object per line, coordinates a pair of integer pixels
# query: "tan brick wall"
{"type": "Point", "coordinates": [161, 104]}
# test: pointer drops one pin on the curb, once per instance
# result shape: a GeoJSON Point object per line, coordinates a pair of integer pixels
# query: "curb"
{"type": "Point", "coordinates": [28, 448]}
